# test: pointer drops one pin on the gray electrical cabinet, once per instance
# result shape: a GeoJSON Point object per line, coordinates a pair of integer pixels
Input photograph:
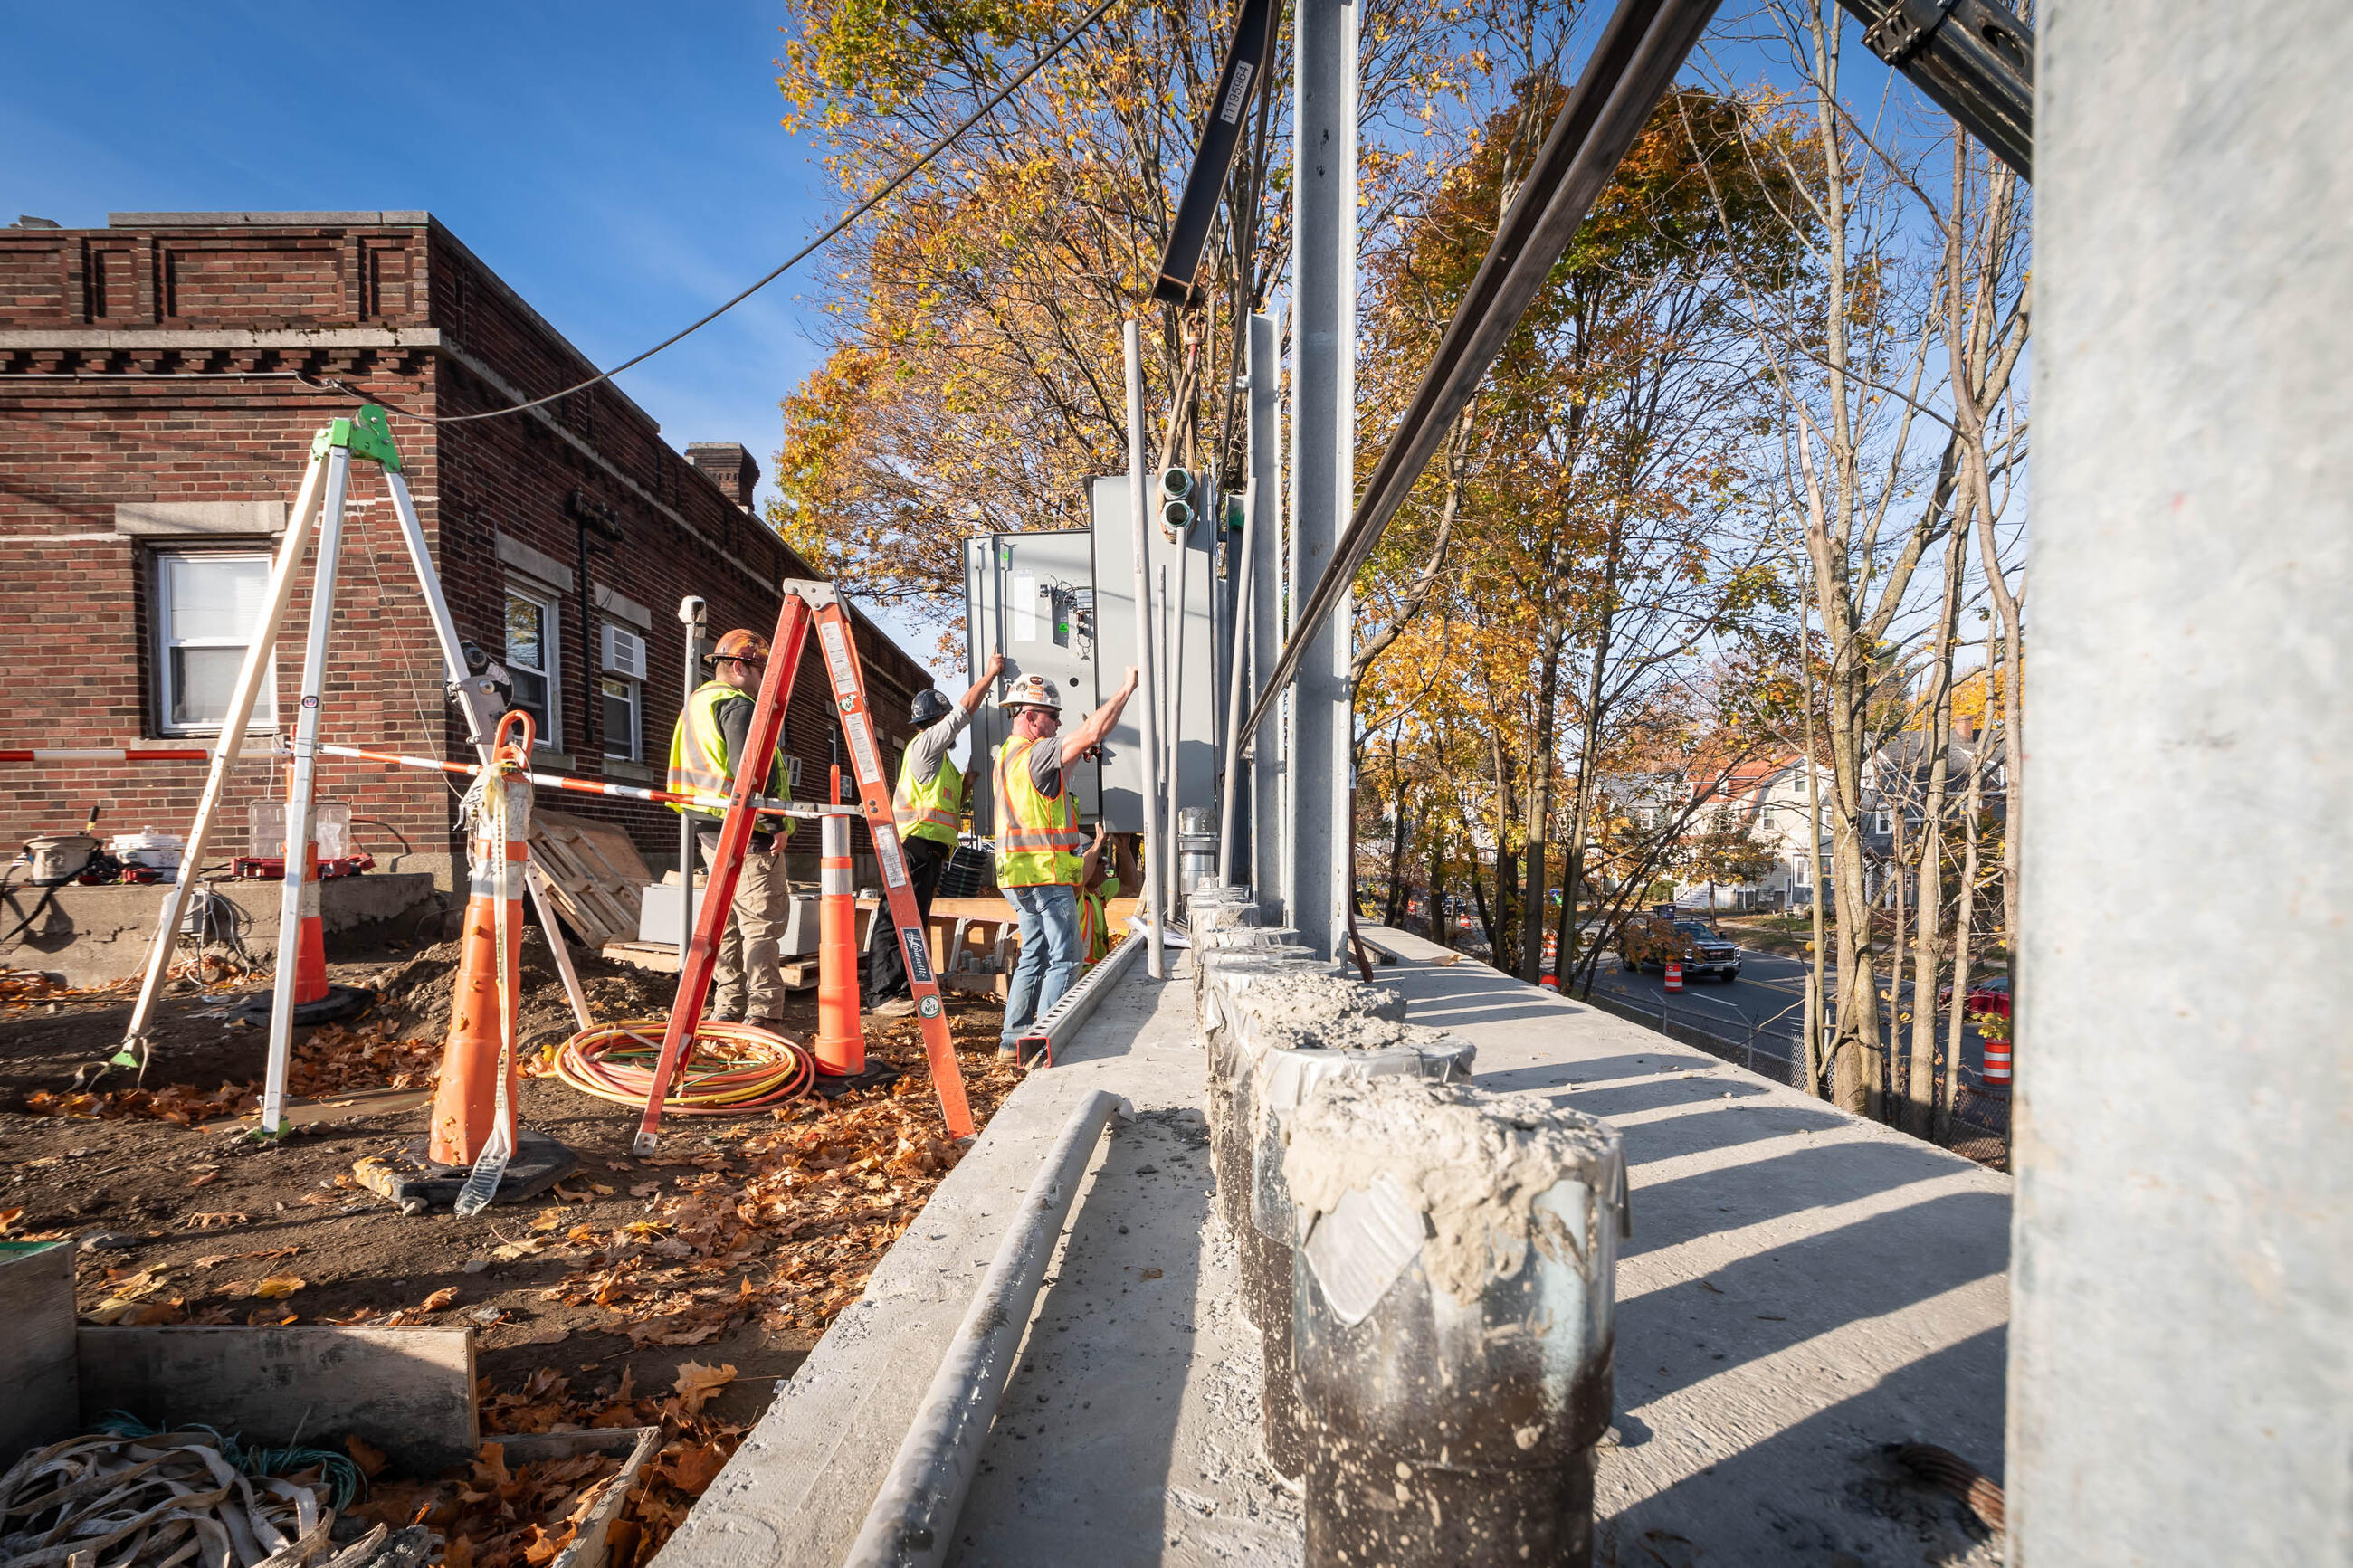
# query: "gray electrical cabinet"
{"type": "Point", "coordinates": [1062, 605]}
{"type": "Point", "coordinates": [1031, 596]}
{"type": "Point", "coordinates": [1180, 573]}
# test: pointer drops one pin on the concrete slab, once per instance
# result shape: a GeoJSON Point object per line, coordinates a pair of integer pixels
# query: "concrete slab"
{"type": "Point", "coordinates": [95, 936]}
{"type": "Point", "coordinates": [1803, 1289]}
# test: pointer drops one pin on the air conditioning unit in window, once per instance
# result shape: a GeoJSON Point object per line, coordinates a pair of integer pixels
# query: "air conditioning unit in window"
{"type": "Point", "coordinates": [625, 652]}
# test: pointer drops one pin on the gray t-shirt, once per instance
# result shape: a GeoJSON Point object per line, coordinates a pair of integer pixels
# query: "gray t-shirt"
{"type": "Point", "coordinates": [930, 746]}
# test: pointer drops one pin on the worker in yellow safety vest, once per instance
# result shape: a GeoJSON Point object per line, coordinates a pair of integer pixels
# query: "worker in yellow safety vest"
{"type": "Point", "coordinates": [927, 807]}
{"type": "Point", "coordinates": [1039, 843]}
{"type": "Point", "coordinates": [706, 750]}
{"type": "Point", "coordinates": [1099, 884]}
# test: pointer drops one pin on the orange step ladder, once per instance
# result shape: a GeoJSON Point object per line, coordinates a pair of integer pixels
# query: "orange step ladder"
{"type": "Point", "coordinates": [808, 604]}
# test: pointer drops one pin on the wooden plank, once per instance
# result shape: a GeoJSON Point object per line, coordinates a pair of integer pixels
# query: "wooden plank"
{"type": "Point", "coordinates": [659, 956]}
{"type": "Point", "coordinates": [38, 1402]}
{"type": "Point", "coordinates": [618, 852]}
{"type": "Point", "coordinates": [635, 1445]}
{"type": "Point", "coordinates": [409, 1392]}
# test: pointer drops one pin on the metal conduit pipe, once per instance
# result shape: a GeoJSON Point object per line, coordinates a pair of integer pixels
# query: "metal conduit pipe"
{"type": "Point", "coordinates": [913, 1519]}
{"type": "Point", "coordinates": [1633, 63]}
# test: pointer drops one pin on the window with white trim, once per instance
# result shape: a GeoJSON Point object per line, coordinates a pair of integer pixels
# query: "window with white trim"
{"type": "Point", "coordinates": [534, 636]}
{"type": "Point", "coordinates": [620, 718]}
{"type": "Point", "coordinates": [207, 605]}
{"type": "Point", "coordinates": [620, 682]}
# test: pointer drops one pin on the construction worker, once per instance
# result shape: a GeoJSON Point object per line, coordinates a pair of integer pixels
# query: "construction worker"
{"type": "Point", "coordinates": [706, 750]}
{"type": "Point", "coordinates": [927, 804]}
{"type": "Point", "coordinates": [1099, 884]}
{"type": "Point", "coordinates": [1039, 843]}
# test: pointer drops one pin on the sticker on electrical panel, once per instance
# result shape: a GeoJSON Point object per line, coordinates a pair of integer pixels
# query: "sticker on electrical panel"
{"type": "Point", "coordinates": [1022, 603]}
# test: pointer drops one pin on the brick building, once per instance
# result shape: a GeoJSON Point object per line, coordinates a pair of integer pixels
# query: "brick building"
{"type": "Point", "coordinates": [154, 420]}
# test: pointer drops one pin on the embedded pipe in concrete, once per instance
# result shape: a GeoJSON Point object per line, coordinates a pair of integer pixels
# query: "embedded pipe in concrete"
{"type": "Point", "coordinates": [914, 1515]}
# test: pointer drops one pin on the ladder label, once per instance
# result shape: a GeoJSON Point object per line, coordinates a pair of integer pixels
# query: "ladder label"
{"type": "Point", "coordinates": [886, 854]}
{"type": "Point", "coordinates": [862, 749]}
{"type": "Point", "coordinates": [919, 954]}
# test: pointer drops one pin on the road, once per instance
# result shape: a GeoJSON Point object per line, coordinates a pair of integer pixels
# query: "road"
{"type": "Point", "coordinates": [1765, 1004]}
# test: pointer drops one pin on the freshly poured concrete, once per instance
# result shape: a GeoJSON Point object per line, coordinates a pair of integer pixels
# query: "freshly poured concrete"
{"type": "Point", "coordinates": [1801, 1289]}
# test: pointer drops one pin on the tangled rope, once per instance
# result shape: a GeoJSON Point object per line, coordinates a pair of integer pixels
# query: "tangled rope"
{"type": "Point", "coordinates": [743, 1067]}
{"type": "Point", "coordinates": [161, 1498]}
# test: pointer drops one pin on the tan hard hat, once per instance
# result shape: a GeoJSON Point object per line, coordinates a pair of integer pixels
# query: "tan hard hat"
{"type": "Point", "coordinates": [741, 644]}
{"type": "Point", "coordinates": [1033, 691]}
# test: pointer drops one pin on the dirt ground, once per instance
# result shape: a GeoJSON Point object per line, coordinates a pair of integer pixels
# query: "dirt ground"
{"type": "Point", "coordinates": [734, 1246]}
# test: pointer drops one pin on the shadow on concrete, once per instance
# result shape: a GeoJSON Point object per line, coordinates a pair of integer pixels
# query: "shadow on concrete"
{"type": "Point", "coordinates": [1794, 1289]}
{"type": "Point", "coordinates": [1791, 1182]}
{"type": "Point", "coordinates": [1740, 1509]}
{"type": "Point", "coordinates": [1077, 1467]}
{"type": "Point", "coordinates": [1667, 1093]}
{"type": "Point", "coordinates": [1111, 1030]}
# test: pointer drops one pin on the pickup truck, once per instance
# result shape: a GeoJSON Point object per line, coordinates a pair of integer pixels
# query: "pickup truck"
{"type": "Point", "coordinates": [1654, 941]}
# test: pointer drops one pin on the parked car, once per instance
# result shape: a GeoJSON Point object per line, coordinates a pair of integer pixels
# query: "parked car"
{"type": "Point", "coordinates": [1654, 941]}
{"type": "Point", "coordinates": [1988, 995]}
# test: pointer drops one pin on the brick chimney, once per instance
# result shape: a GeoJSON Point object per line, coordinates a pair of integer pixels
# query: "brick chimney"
{"type": "Point", "coordinates": [727, 465]}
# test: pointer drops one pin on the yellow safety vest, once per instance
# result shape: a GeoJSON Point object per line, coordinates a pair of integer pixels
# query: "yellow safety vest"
{"type": "Point", "coordinates": [1038, 837]}
{"type": "Point", "coordinates": [698, 753]}
{"type": "Point", "coordinates": [929, 810]}
{"type": "Point", "coordinates": [1094, 920]}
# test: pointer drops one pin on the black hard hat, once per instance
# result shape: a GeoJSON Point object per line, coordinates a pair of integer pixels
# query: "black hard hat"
{"type": "Point", "coordinates": [929, 707]}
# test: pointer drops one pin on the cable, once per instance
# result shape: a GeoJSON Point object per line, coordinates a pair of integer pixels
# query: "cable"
{"type": "Point", "coordinates": [860, 211]}
{"type": "Point", "coordinates": [761, 1068]}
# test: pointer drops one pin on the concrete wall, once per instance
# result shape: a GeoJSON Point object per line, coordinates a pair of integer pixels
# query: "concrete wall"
{"type": "Point", "coordinates": [93, 936]}
{"type": "Point", "coordinates": [2182, 1377]}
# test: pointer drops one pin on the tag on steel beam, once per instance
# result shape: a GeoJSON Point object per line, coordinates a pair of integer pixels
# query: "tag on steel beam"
{"type": "Point", "coordinates": [1197, 208]}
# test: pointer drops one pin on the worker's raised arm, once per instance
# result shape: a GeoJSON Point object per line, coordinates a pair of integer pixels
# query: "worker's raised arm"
{"type": "Point", "coordinates": [1097, 724]}
{"type": "Point", "coordinates": [971, 700]}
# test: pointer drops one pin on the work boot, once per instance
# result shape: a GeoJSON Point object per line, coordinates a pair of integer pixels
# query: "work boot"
{"type": "Point", "coordinates": [894, 1007]}
{"type": "Point", "coordinates": [774, 1026]}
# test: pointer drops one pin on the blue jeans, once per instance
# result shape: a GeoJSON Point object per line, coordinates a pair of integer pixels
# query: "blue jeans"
{"type": "Point", "coordinates": [1050, 954]}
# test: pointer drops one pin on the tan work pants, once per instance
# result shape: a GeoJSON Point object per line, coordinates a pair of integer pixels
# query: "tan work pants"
{"type": "Point", "coordinates": [751, 982]}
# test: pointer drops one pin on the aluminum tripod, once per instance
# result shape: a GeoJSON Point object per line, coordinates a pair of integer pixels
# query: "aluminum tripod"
{"type": "Point", "coordinates": [806, 604]}
{"type": "Point", "coordinates": [319, 500]}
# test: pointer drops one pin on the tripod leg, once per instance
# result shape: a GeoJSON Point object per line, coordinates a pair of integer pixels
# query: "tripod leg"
{"type": "Point", "coordinates": [481, 716]}
{"type": "Point", "coordinates": [300, 886]}
{"type": "Point", "coordinates": [249, 678]}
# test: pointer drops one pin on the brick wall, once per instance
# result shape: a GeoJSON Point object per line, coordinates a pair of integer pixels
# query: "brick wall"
{"type": "Point", "coordinates": [149, 363]}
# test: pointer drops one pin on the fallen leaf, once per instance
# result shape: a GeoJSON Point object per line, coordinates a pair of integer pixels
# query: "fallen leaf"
{"type": "Point", "coordinates": [278, 1286]}
{"type": "Point", "coordinates": [697, 1383]}
{"type": "Point", "coordinates": [370, 1460]}
{"type": "Point", "coordinates": [694, 1467]}
{"type": "Point", "coordinates": [644, 1189]}
{"type": "Point", "coordinates": [1149, 1274]}
{"type": "Point", "coordinates": [548, 1219]}
{"type": "Point", "coordinates": [438, 1299]}
{"type": "Point", "coordinates": [206, 1180]}
{"type": "Point", "coordinates": [9, 1217]}
{"type": "Point", "coordinates": [206, 1220]}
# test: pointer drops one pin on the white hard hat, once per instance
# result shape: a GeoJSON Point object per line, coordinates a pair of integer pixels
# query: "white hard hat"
{"type": "Point", "coordinates": [1033, 691]}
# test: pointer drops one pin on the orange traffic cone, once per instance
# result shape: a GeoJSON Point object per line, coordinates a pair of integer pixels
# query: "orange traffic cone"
{"type": "Point", "coordinates": [478, 1083]}
{"type": "Point", "coordinates": [840, 1040]}
{"type": "Point", "coordinates": [1997, 1065]}
{"type": "Point", "coordinates": [1674, 976]}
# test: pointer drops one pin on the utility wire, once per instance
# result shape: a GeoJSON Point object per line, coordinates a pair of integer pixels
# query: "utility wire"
{"type": "Point", "coordinates": [860, 210]}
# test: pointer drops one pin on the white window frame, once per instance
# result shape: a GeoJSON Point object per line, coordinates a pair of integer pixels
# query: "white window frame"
{"type": "Point", "coordinates": [551, 633]}
{"type": "Point", "coordinates": [1882, 820]}
{"type": "Point", "coordinates": [264, 705]}
{"type": "Point", "coordinates": [635, 692]}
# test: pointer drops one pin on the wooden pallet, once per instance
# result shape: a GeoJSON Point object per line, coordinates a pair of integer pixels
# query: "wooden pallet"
{"type": "Point", "coordinates": [594, 874]}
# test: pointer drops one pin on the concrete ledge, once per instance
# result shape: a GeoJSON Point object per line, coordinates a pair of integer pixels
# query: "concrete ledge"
{"type": "Point", "coordinates": [94, 936]}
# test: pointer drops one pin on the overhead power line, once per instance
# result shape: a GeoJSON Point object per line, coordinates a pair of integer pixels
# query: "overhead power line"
{"type": "Point", "coordinates": [851, 216]}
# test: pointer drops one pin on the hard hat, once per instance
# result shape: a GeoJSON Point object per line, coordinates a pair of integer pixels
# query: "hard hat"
{"type": "Point", "coordinates": [1034, 692]}
{"type": "Point", "coordinates": [929, 709]}
{"type": "Point", "coordinates": [741, 644]}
